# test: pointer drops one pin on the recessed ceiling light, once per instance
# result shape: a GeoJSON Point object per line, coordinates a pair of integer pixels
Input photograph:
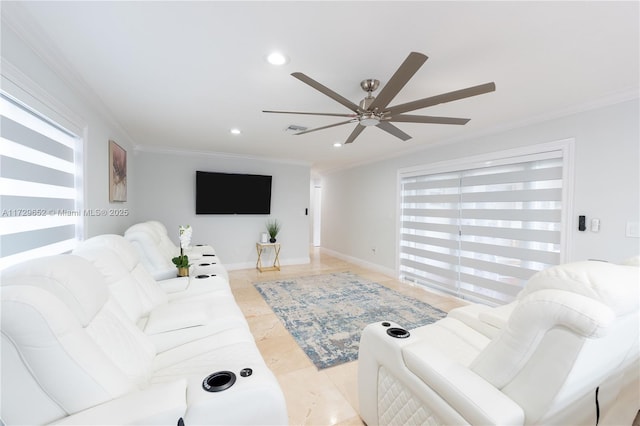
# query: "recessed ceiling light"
{"type": "Point", "coordinates": [337, 144]}
{"type": "Point", "coordinates": [277, 58]}
{"type": "Point", "coordinates": [235, 131]}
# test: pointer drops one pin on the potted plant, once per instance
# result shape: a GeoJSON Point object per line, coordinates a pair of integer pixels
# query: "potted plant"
{"type": "Point", "coordinates": [273, 227]}
{"type": "Point", "coordinates": [182, 263]}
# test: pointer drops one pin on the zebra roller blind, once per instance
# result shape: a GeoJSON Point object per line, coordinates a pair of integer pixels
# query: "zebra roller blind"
{"type": "Point", "coordinates": [482, 233]}
{"type": "Point", "coordinates": [39, 185]}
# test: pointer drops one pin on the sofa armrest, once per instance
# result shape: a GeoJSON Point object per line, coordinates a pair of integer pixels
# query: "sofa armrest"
{"type": "Point", "coordinates": [474, 398]}
{"type": "Point", "coordinates": [163, 403]}
{"type": "Point", "coordinates": [173, 284]}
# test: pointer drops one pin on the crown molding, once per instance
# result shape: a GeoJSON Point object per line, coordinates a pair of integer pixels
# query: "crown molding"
{"type": "Point", "coordinates": [200, 153]}
{"type": "Point", "coordinates": [18, 20]}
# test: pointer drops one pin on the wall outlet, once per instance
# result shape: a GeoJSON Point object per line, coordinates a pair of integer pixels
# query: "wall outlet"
{"type": "Point", "coordinates": [633, 229]}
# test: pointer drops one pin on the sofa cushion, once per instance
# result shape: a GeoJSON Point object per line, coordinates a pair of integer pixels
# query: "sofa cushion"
{"type": "Point", "coordinates": [121, 285]}
{"type": "Point", "coordinates": [177, 316]}
{"type": "Point", "coordinates": [531, 321]}
{"type": "Point", "coordinates": [49, 361]}
{"type": "Point", "coordinates": [123, 342]}
{"type": "Point", "coordinates": [152, 295]}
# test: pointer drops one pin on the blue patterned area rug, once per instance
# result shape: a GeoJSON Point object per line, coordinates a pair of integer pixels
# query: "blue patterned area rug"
{"type": "Point", "coordinates": [326, 313]}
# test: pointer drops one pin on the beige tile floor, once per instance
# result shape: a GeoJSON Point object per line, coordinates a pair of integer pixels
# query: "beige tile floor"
{"type": "Point", "coordinates": [325, 397]}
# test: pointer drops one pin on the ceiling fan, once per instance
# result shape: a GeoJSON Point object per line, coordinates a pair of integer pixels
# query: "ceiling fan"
{"type": "Point", "coordinates": [374, 111]}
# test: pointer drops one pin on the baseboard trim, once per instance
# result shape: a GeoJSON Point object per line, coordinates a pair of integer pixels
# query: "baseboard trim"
{"type": "Point", "coordinates": [360, 262]}
{"type": "Point", "coordinates": [252, 265]}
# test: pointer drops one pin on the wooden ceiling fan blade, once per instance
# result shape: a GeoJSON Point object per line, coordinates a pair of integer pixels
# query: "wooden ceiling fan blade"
{"type": "Point", "coordinates": [324, 127]}
{"type": "Point", "coordinates": [325, 90]}
{"type": "Point", "coordinates": [390, 128]}
{"type": "Point", "coordinates": [443, 98]}
{"type": "Point", "coordinates": [429, 119]}
{"type": "Point", "coordinates": [402, 75]}
{"type": "Point", "coordinates": [329, 114]}
{"type": "Point", "coordinates": [356, 132]}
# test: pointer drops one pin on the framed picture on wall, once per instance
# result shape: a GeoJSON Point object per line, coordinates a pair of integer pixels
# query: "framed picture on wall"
{"type": "Point", "coordinates": [117, 173]}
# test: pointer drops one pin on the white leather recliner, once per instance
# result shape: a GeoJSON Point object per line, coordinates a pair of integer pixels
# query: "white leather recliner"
{"type": "Point", "coordinates": [71, 355]}
{"type": "Point", "coordinates": [491, 320]}
{"type": "Point", "coordinates": [194, 285]}
{"type": "Point", "coordinates": [202, 308]}
{"type": "Point", "coordinates": [156, 250]}
{"type": "Point", "coordinates": [567, 354]}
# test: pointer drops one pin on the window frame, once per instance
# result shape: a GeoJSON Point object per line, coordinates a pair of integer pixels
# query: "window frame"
{"type": "Point", "coordinates": [31, 96]}
{"type": "Point", "coordinates": [495, 158]}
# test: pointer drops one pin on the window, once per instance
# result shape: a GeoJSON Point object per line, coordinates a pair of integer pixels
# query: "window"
{"type": "Point", "coordinates": [40, 187]}
{"type": "Point", "coordinates": [481, 232]}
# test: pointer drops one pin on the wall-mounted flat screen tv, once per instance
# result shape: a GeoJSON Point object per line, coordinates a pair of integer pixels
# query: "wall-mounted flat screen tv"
{"type": "Point", "coordinates": [232, 193]}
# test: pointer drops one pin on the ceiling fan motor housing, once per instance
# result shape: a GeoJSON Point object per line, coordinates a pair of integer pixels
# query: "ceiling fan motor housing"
{"type": "Point", "coordinates": [366, 102]}
{"type": "Point", "coordinates": [370, 85]}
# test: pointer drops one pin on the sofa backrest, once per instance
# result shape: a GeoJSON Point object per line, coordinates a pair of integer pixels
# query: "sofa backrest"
{"type": "Point", "coordinates": [127, 278]}
{"type": "Point", "coordinates": [153, 255]}
{"type": "Point", "coordinates": [158, 226]}
{"type": "Point", "coordinates": [166, 244]}
{"type": "Point", "coordinates": [574, 327]}
{"type": "Point", "coordinates": [66, 344]}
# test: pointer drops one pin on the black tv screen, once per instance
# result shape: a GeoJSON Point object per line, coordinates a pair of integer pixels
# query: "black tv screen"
{"type": "Point", "coordinates": [232, 193]}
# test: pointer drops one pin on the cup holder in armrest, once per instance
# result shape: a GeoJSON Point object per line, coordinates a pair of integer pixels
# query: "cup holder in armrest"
{"type": "Point", "coordinates": [219, 381]}
{"type": "Point", "coordinates": [386, 324]}
{"type": "Point", "coordinates": [202, 276]}
{"type": "Point", "coordinates": [398, 333]}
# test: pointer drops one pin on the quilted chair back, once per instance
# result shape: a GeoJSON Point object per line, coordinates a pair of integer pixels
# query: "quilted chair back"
{"type": "Point", "coordinates": [574, 330]}
{"type": "Point", "coordinates": [66, 344]}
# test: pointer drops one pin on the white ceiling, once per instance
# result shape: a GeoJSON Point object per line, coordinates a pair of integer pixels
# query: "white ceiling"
{"type": "Point", "coordinates": [180, 75]}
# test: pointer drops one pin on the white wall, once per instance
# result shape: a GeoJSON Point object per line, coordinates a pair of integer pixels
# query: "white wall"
{"type": "Point", "coordinates": [165, 191]}
{"type": "Point", "coordinates": [359, 204]}
{"type": "Point", "coordinates": [160, 186]}
{"type": "Point", "coordinates": [39, 81]}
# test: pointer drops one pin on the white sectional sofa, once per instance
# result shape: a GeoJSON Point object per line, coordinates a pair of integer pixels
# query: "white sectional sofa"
{"type": "Point", "coordinates": [566, 352]}
{"type": "Point", "coordinates": [92, 338]}
{"type": "Point", "coordinates": [189, 309]}
{"type": "Point", "coordinates": [155, 249]}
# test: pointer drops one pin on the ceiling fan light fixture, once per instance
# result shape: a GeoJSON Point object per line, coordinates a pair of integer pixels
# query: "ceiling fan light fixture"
{"type": "Point", "coordinates": [368, 120]}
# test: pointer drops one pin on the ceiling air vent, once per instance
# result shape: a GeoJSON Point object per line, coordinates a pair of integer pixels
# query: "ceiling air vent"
{"type": "Point", "coordinates": [294, 128]}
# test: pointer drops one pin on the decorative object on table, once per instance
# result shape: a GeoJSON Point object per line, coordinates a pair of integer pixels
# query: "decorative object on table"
{"type": "Point", "coordinates": [264, 237]}
{"type": "Point", "coordinates": [182, 261]}
{"type": "Point", "coordinates": [117, 173]}
{"type": "Point", "coordinates": [327, 313]}
{"type": "Point", "coordinates": [273, 227]}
